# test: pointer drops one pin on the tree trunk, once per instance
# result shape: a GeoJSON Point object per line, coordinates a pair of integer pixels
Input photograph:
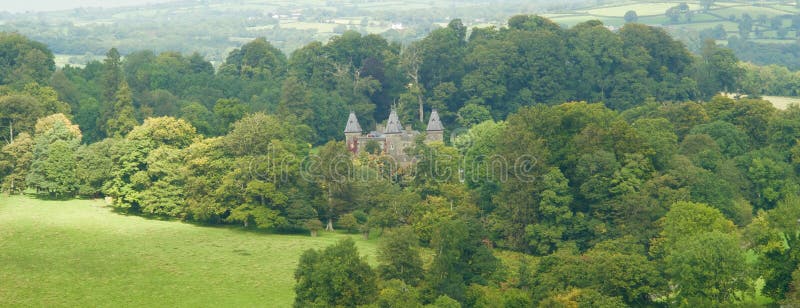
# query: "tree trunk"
{"type": "Point", "coordinates": [10, 131]}
{"type": "Point", "coordinates": [329, 226]}
{"type": "Point", "coordinates": [421, 112]}
{"type": "Point", "coordinates": [366, 235]}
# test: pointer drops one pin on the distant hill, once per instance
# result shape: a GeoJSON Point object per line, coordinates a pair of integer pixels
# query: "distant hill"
{"type": "Point", "coordinates": [215, 27]}
{"type": "Point", "coordinates": [762, 32]}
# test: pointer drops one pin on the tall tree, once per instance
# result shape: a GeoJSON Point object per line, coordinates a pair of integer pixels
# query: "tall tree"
{"type": "Point", "coordinates": [702, 254]}
{"type": "Point", "coordinates": [334, 276]}
{"type": "Point", "coordinates": [687, 219]}
{"type": "Point", "coordinates": [112, 75]}
{"type": "Point", "coordinates": [442, 56]}
{"type": "Point", "coordinates": [134, 185]}
{"type": "Point", "coordinates": [120, 119]}
{"type": "Point", "coordinates": [255, 176]}
{"type": "Point", "coordinates": [94, 167]}
{"type": "Point", "coordinates": [53, 166]}
{"type": "Point", "coordinates": [19, 110]}
{"type": "Point", "coordinates": [400, 258]}
{"type": "Point", "coordinates": [462, 258]}
{"type": "Point", "coordinates": [775, 235]}
{"type": "Point", "coordinates": [23, 61]}
{"type": "Point", "coordinates": [718, 70]}
{"type": "Point", "coordinates": [19, 114]}
{"type": "Point", "coordinates": [15, 161]}
{"type": "Point", "coordinates": [411, 60]}
{"type": "Point", "coordinates": [332, 171]}
{"type": "Point", "coordinates": [708, 269]}
{"type": "Point", "coordinates": [257, 60]}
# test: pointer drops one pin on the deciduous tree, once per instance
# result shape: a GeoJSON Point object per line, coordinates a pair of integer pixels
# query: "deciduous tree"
{"type": "Point", "coordinates": [334, 276]}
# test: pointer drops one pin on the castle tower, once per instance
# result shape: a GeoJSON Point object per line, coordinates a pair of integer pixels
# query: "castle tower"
{"type": "Point", "coordinates": [394, 135]}
{"type": "Point", "coordinates": [393, 125]}
{"type": "Point", "coordinates": [351, 132]}
{"type": "Point", "coordinates": [435, 130]}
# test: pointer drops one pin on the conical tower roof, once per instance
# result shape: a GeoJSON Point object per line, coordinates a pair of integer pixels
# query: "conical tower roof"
{"type": "Point", "coordinates": [434, 124]}
{"type": "Point", "coordinates": [393, 125]}
{"type": "Point", "coordinates": [352, 124]}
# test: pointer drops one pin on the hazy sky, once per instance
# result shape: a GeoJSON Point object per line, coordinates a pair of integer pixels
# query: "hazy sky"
{"type": "Point", "coordinates": [54, 5]}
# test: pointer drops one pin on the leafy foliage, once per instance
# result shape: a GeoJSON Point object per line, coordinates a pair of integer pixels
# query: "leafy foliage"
{"type": "Point", "coordinates": [602, 166]}
{"type": "Point", "coordinates": [334, 276]}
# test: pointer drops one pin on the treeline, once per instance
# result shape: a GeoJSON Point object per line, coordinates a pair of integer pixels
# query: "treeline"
{"type": "Point", "coordinates": [638, 201]}
{"type": "Point", "coordinates": [487, 75]}
{"type": "Point", "coordinates": [787, 55]}
{"type": "Point", "coordinates": [769, 80]}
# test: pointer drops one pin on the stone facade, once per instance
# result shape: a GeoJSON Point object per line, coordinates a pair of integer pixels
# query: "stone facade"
{"type": "Point", "coordinates": [393, 139]}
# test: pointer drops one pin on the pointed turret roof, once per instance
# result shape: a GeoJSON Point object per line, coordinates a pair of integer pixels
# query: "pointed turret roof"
{"type": "Point", "coordinates": [434, 124]}
{"type": "Point", "coordinates": [393, 125]}
{"type": "Point", "coordinates": [352, 124]}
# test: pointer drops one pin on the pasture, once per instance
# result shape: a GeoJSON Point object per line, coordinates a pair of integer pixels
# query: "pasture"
{"type": "Point", "coordinates": [722, 13]}
{"type": "Point", "coordinates": [81, 253]}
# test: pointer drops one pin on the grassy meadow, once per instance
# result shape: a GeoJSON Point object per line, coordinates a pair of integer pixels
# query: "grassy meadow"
{"type": "Point", "coordinates": [81, 253]}
{"type": "Point", "coordinates": [653, 13]}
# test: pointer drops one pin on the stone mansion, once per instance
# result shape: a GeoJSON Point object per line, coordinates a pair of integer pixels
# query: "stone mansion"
{"type": "Point", "coordinates": [393, 139]}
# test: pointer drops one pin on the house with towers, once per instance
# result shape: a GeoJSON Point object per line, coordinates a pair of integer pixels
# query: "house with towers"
{"type": "Point", "coordinates": [393, 139]}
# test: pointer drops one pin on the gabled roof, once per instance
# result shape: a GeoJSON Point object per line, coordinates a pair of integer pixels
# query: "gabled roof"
{"type": "Point", "coordinates": [434, 124]}
{"type": "Point", "coordinates": [393, 125]}
{"type": "Point", "coordinates": [352, 124]}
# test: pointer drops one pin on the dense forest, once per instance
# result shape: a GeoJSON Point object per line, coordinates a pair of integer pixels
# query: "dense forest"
{"type": "Point", "coordinates": [586, 167]}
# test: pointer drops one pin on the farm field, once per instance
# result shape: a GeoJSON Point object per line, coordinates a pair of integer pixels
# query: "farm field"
{"type": "Point", "coordinates": [782, 102]}
{"type": "Point", "coordinates": [643, 9]}
{"type": "Point", "coordinates": [720, 13]}
{"type": "Point", "coordinates": [69, 253]}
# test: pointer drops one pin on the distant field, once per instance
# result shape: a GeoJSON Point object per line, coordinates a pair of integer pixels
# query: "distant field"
{"type": "Point", "coordinates": [786, 8]}
{"type": "Point", "coordinates": [80, 253]}
{"type": "Point", "coordinates": [574, 20]}
{"type": "Point", "coordinates": [642, 9]}
{"type": "Point", "coordinates": [782, 102]}
{"type": "Point", "coordinates": [653, 13]}
{"type": "Point", "coordinates": [754, 11]}
{"type": "Point", "coordinates": [74, 60]}
{"type": "Point", "coordinates": [727, 25]}
{"type": "Point", "coordinates": [320, 27]}
{"type": "Point", "coordinates": [702, 17]}
{"type": "Point", "coordinates": [62, 60]}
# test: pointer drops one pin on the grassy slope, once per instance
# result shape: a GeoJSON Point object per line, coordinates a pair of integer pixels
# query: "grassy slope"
{"type": "Point", "coordinates": [80, 253]}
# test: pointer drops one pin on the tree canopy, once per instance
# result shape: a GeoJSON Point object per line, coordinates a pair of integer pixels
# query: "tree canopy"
{"type": "Point", "coordinates": [586, 166]}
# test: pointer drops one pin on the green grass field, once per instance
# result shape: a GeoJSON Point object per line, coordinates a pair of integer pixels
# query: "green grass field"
{"type": "Point", "coordinates": [642, 9]}
{"type": "Point", "coordinates": [80, 253]}
{"type": "Point", "coordinates": [653, 13]}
